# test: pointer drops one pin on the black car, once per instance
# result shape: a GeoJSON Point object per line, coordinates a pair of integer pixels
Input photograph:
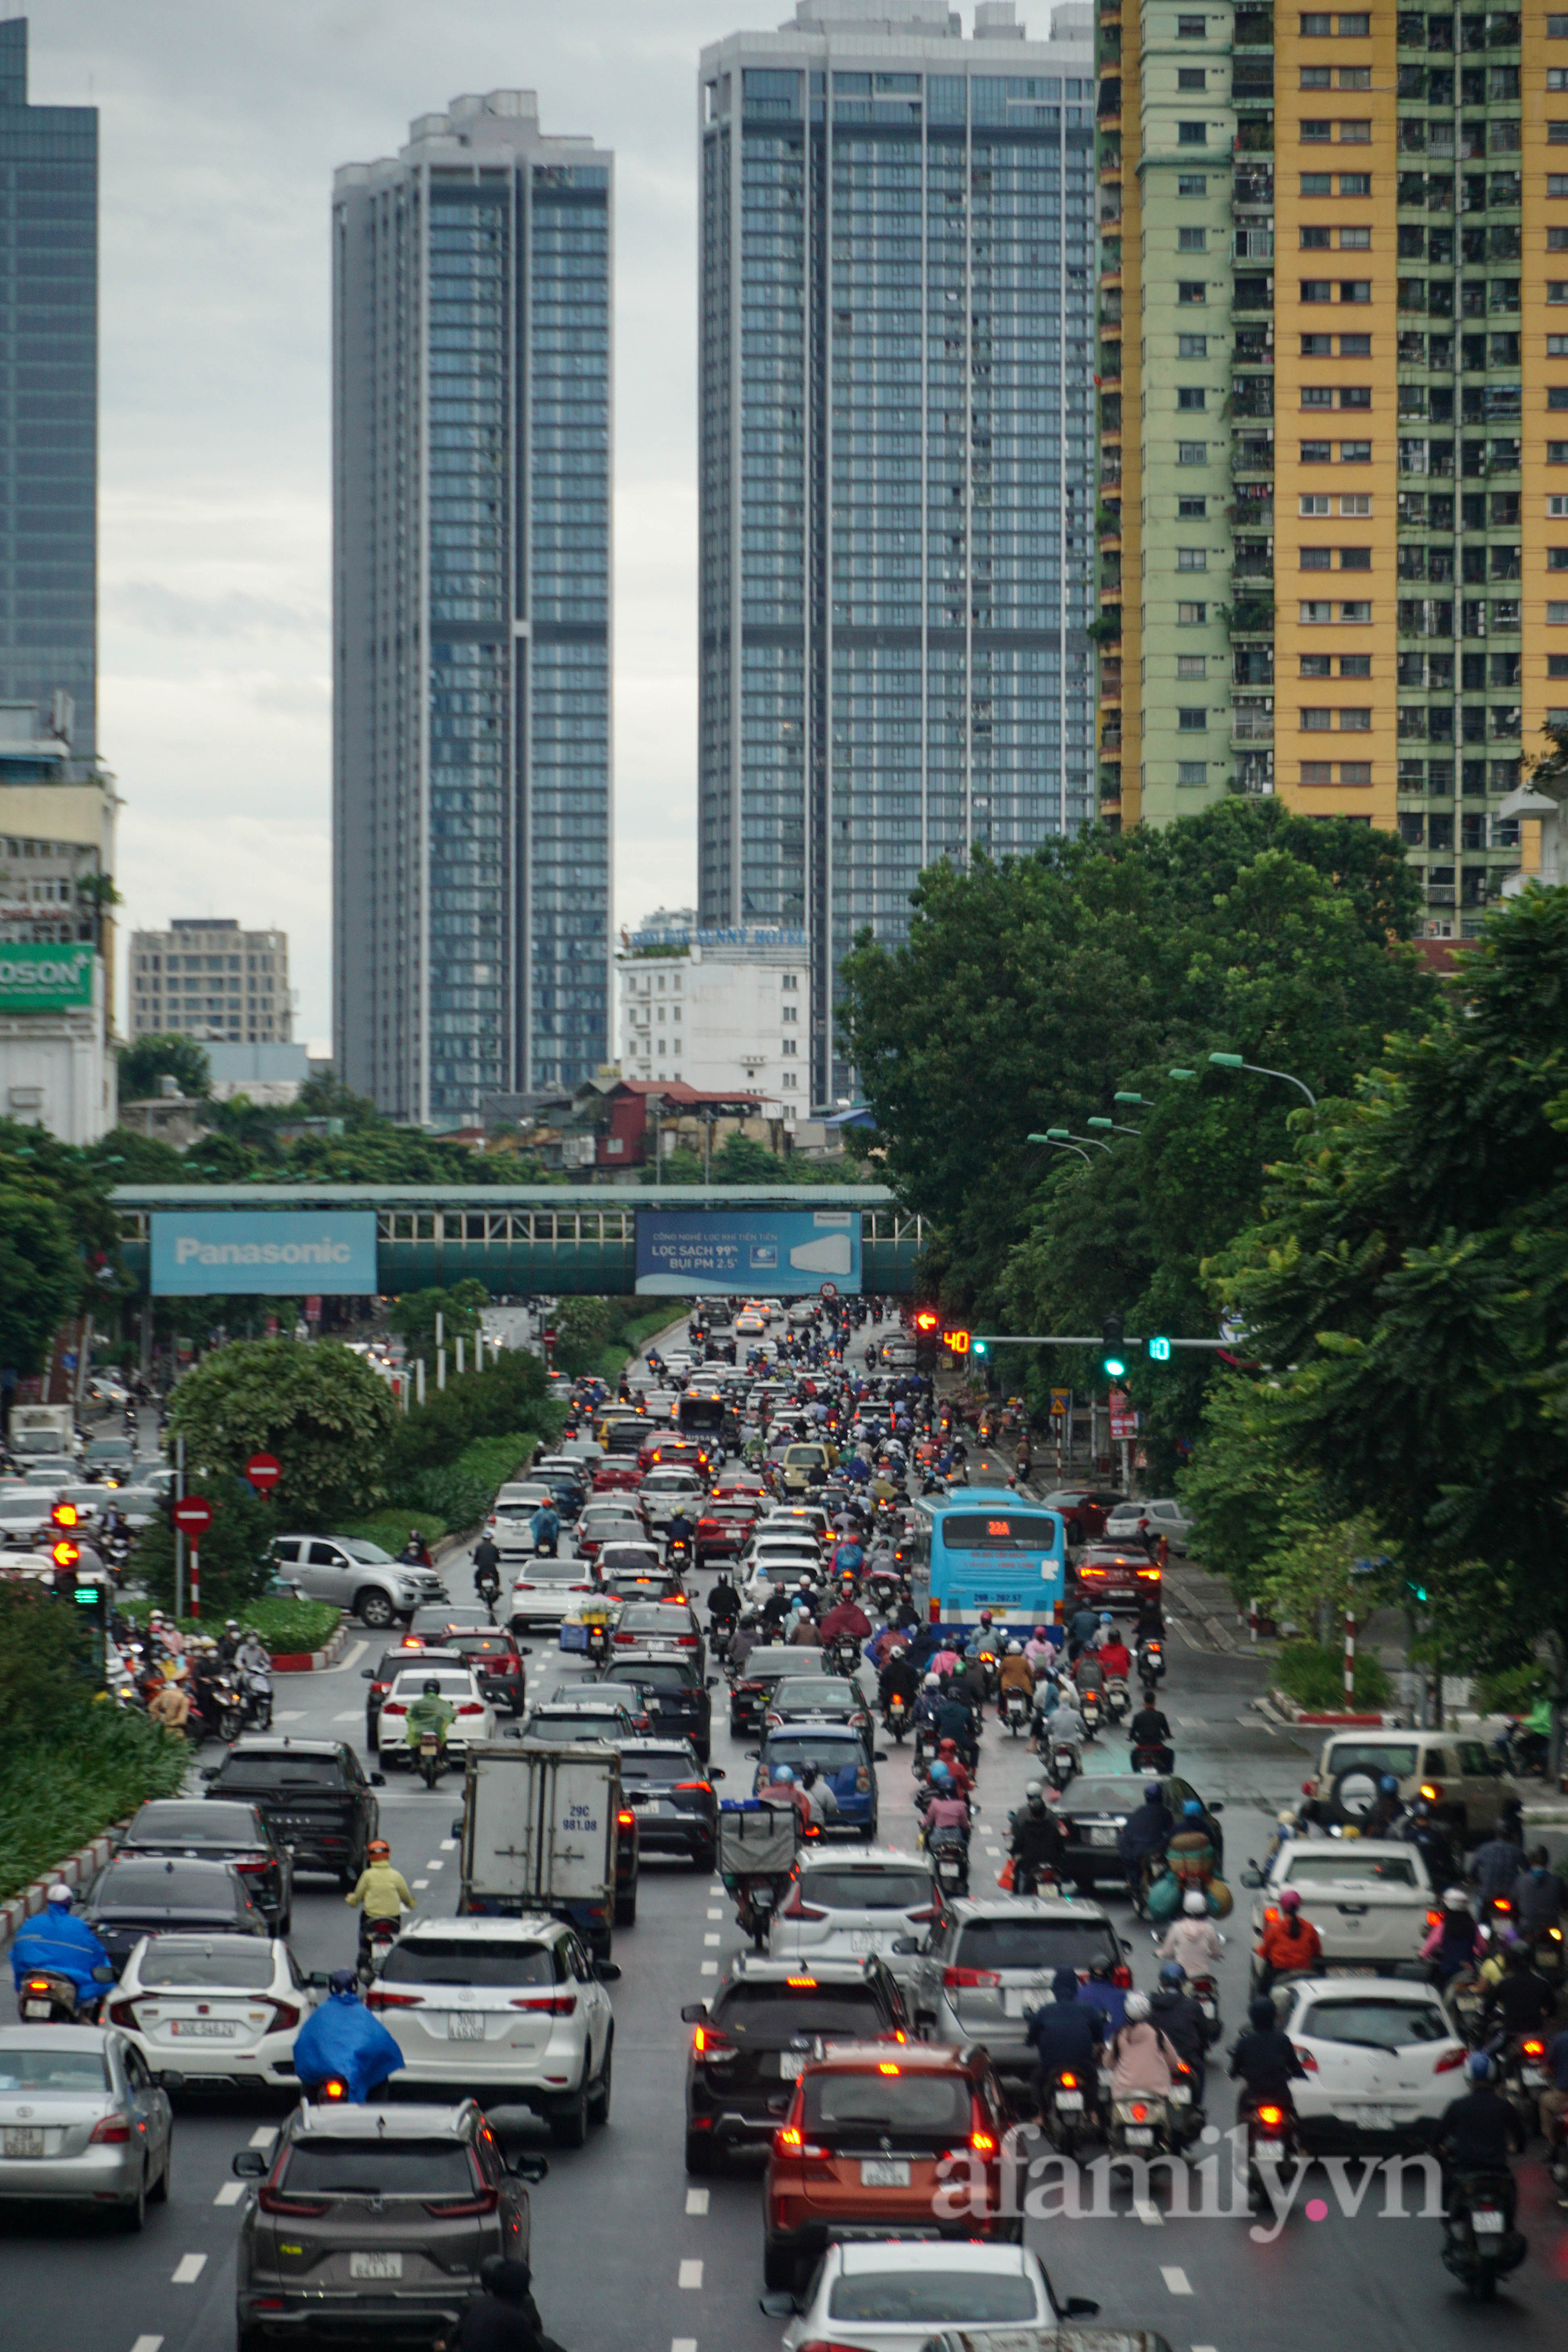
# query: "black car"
{"type": "Point", "coordinates": [674, 1696]}
{"type": "Point", "coordinates": [313, 1792]}
{"type": "Point", "coordinates": [674, 1801]}
{"type": "Point", "coordinates": [819, 1698]}
{"type": "Point", "coordinates": [1093, 1811]}
{"type": "Point", "coordinates": [241, 1834]}
{"type": "Point", "coordinates": [752, 1688]}
{"type": "Point", "coordinates": [135, 1896]}
{"type": "Point", "coordinates": [759, 2032]}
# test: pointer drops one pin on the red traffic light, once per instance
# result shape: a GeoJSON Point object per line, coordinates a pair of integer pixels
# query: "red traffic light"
{"type": "Point", "coordinates": [927, 1319]}
{"type": "Point", "coordinates": [64, 1514]}
{"type": "Point", "coordinates": [64, 1553]}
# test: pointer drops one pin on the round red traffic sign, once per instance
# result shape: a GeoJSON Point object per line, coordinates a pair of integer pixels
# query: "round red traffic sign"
{"type": "Point", "coordinates": [193, 1514]}
{"type": "Point", "coordinates": [264, 1470]}
{"type": "Point", "coordinates": [829, 1290]}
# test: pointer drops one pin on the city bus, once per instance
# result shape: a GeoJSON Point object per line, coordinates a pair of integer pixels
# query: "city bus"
{"type": "Point", "coordinates": [987, 1547]}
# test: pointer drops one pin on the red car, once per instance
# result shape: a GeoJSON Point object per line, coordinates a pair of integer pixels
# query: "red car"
{"type": "Point", "coordinates": [1120, 1576]}
{"type": "Point", "coordinates": [618, 1475]}
{"type": "Point", "coordinates": [1084, 1510]}
{"type": "Point", "coordinates": [667, 1450]}
{"type": "Point", "coordinates": [723, 1530]}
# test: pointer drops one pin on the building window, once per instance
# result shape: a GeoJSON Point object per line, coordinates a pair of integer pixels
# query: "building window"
{"type": "Point", "coordinates": [1192, 559]}
{"type": "Point", "coordinates": [1195, 616]}
{"type": "Point", "coordinates": [1355, 559]}
{"type": "Point", "coordinates": [1191, 395]}
{"type": "Point", "coordinates": [1190, 29]}
{"type": "Point", "coordinates": [1316, 616]}
{"type": "Point", "coordinates": [1315, 720]}
{"type": "Point", "coordinates": [1191, 510]}
{"type": "Point", "coordinates": [1191, 78]}
{"type": "Point", "coordinates": [1192, 452]}
{"type": "Point", "coordinates": [1355, 183]}
{"type": "Point", "coordinates": [1191, 184]}
{"type": "Point", "coordinates": [1196, 134]}
{"type": "Point", "coordinates": [1192, 347]}
{"type": "Point", "coordinates": [1317, 772]}
{"type": "Point", "coordinates": [1315, 558]}
{"type": "Point", "coordinates": [1357, 237]}
{"type": "Point", "coordinates": [1355, 290]}
{"type": "Point", "coordinates": [1192, 240]}
{"type": "Point", "coordinates": [1192, 722]}
{"type": "Point", "coordinates": [1316, 133]}
{"type": "Point", "coordinates": [1192, 665]}
{"type": "Point", "coordinates": [1191, 772]}
{"type": "Point", "coordinates": [1355, 134]}
{"type": "Point", "coordinates": [1316, 453]}
{"type": "Point", "coordinates": [1355, 452]}
{"type": "Point", "coordinates": [1315, 240]}
{"type": "Point", "coordinates": [1317, 290]}
{"type": "Point", "coordinates": [1191, 290]}
{"type": "Point", "coordinates": [1312, 503]}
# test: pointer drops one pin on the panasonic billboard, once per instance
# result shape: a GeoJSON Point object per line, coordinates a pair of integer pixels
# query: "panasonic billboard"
{"type": "Point", "coordinates": [281, 1253]}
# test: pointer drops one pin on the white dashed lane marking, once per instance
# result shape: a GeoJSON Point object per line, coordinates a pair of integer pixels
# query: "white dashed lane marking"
{"type": "Point", "coordinates": [294, 1715]}
{"type": "Point", "coordinates": [677, 2343]}
{"type": "Point", "coordinates": [265, 2137]}
{"type": "Point", "coordinates": [715, 1913]}
{"type": "Point", "coordinates": [1176, 2279]}
{"type": "Point", "coordinates": [697, 2201]}
{"type": "Point", "coordinates": [691, 2275]}
{"type": "Point", "coordinates": [435, 1865]}
{"type": "Point", "coordinates": [352, 1717]}
{"type": "Point", "coordinates": [188, 2269]}
{"type": "Point", "coordinates": [155, 2343]}
{"type": "Point", "coordinates": [710, 1969]}
{"type": "Point", "coordinates": [230, 2193]}
{"type": "Point", "coordinates": [1151, 2217]}
{"type": "Point", "coordinates": [712, 1939]}
{"type": "Point", "coordinates": [422, 1882]}
{"type": "Point", "coordinates": [448, 1846]}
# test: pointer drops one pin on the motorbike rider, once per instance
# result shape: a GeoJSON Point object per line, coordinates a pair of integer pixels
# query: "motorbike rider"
{"type": "Point", "coordinates": [170, 1704]}
{"type": "Point", "coordinates": [228, 1642]}
{"type": "Point", "coordinates": [1179, 2018]}
{"type": "Point", "coordinates": [742, 1642]}
{"type": "Point", "coordinates": [679, 1529]}
{"type": "Point", "coordinates": [415, 1552]}
{"type": "Point", "coordinates": [969, 1681]}
{"type": "Point", "coordinates": [1537, 1896]}
{"type": "Point", "coordinates": [1455, 1943]}
{"type": "Point", "coordinates": [849, 1559]}
{"type": "Point", "coordinates": [1192, 1941]}
{"type": "Point", "coordinates": [545, 1529]}
{"type": "Point", "coordinates": [1387, 1810]}
{"type": "Point", "coordinates": [1291, 1945]}
{"type": "Point", "coordinates": [1104, 1994]}
{"type": "Point", "coordinates": [486, 1561]}
{"type": "Point", "coordinates": [845, 1617]}
{"type": "Point", "coordinates": [899, 1676]}
{"type": "Point", "coordinates": [785, 1789]}
{"type": "Point", "coordinates": [1082, 1627]}
{"type": "Point", "coordinates": [1476, 2133]}
{"type": "Point", "coordinates": [1421, 1830]}
{"type": "Point", "coordinates": [1144, 1833]}
{"type": "Point", "coordinates": [1263, 2060]}
{"type": "Point", "coordinates": [723, 1602]}
{"type": "Point", "coordinates": [1037, 1843]}
{"type": "Point", "coordinates": [1142, 2057]}
{"type": "Point", "coordinates": [824, 1804]}
{"type": "Point", "coordinates": [1495, 1864]}
{"type": "Point", "coordinates": [805, 1633]}
{"type": "Point", "coordinates": [959, 1772]}
{"type": "Point", "coordinates": [1014, 1674]}
{"type": "Point", "coordinates": [342, 2041]}
{"type": "Point", "coordinates": [1066, 2034]}
{"type": "Point", "coordinates": [430, 1712]}
{"type": "Point", "coordinates": [1064, 1726]}
{"type": "Point", "coordinates": [1149, 1728]}
{"type": "Point", "coordinates": [1115, 1659]}
{"type": "Point", "coordinates": [506, 2317]}
{"type": "Point", "coordinates": [56, 1940]}
{"type": "Point", "coordinates": [1522, 2001]}
{"type": "Point", "coordinates": [379, 1892]}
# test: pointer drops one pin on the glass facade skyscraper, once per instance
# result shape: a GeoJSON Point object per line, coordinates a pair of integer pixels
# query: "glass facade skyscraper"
{"type": "Point", "coordinates": [48, 401]}
{"type": "Point", "coordinates": [472, 800]}
{"type": "Point", "coordinates": [897, 462]}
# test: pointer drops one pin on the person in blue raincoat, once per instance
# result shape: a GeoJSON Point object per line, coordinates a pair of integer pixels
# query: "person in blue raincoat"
{"type": "Point", "coordinates": [341, 2040]}
{"type": "Point", "coordinates": [58, 1940]}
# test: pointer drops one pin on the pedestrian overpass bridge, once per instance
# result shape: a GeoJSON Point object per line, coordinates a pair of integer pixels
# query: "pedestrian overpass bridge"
{"type": "Point", "coordinates": [518, 1239]}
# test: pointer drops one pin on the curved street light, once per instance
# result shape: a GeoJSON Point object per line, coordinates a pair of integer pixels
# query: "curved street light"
{"type": "Point", "coordinates": [1059, 1140]}
{"type": "Point", "coordinates": [1235, 1062]}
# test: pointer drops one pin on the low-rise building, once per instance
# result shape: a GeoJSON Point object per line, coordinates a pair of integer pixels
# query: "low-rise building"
{"type": "Point", "coordinates": [721, 1011]}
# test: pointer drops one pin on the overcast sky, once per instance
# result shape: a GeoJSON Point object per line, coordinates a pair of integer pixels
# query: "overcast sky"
{"type": "Point", "coordinates": [221, 124]}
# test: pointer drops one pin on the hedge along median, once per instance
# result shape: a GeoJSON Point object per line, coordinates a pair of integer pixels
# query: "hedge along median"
{"type": "Point", "coordinates": [74, 1762]}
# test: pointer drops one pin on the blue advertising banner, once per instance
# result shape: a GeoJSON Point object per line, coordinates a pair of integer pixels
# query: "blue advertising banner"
{"type": "Point", "coordinates": [782, 1253]}
{"type": "Point", "coordinates": [281, 1253]}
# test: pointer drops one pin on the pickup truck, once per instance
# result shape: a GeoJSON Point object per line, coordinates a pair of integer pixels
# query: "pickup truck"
{"type": "Point", "coordinates": [1370, 1899]}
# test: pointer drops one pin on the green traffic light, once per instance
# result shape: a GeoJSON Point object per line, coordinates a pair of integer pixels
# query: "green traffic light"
{"type": "Point", "coordinates": [1114, 1366]}
{"type": "Point", "coordinates": [980, 1348]}
{"type": "Point", "coordinates": [1159, 1350]}
{"type": "Point", "coordinates": [86, 1596]}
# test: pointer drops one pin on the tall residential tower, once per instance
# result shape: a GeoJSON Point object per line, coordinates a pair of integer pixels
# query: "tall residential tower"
{"type": "Point", "coordinates": [896, 455]}
{"type": "Point", "coordinates": [471, 582]}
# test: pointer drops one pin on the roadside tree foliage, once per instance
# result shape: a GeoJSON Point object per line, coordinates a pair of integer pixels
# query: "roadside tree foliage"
{"type": "Point", "coordinates": [318, 1407]}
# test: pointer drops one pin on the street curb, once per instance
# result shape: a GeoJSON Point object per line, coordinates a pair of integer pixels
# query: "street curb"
{"type": "Point", "coordinates": [76, 1868]}
{"type": "Point", "coordinates": [312, 1662]}
{"type": "Point", "coordinates": [1287, 1708]}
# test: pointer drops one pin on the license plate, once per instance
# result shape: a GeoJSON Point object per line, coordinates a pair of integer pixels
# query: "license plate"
{"type": "Point", "coordinates": [1181, 2096]}
{"type": "Point", "coordinates": [35, 2008]}
{"type": "Point", "coordinates": [1098, 1836]}
{"type": "Point", "coordinates": [202, 2029]}
{"type": "Point", "coordinates": [791, 2065]}
{"type": "Point", "coordinates": [1019, 2003]}
{"type": "Point", "coordinates": [1139, 2135]}
{"type": "Point", "coordinates": [1070, 2103]}
{"type": "Point", "coordinates": [1374, 2118]}
{"type": "Point", "coordinates": [461, 2027]}
{"type": "Point", "coordinates": [882, 2173]}
{"type": "Point", "coordinates": [24, 2143]}
{"type": "Point", "coordinates": [1487, 2225]}
{"type": "Point", "coordinates": [1534, 2078]}
{"type": "Point", "coordinates": [863, 1940]}
{"type": "Point", "coordinates": [375, 2266]}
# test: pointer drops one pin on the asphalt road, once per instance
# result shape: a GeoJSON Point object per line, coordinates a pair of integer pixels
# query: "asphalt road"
{"type": "Point", "coordinates": [630, 2257]}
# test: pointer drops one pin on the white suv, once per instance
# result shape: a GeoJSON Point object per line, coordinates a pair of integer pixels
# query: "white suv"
{"type": "Point", "coordinates": [514, 2007]}
{"type": "Point", "coordinates": [475, 1718]}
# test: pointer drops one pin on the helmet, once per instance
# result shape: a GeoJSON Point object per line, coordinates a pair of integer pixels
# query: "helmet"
{"type": "Point", "coordinates": [1193, 1810]}
{"type": "Point", "coordinates": [377, 1850]}
{"type": "Point", "coordinates": [1194, 1904]}
{"type": "Point", "coordinates": [986, 1616]}
{"type": "Point", "coordinates": [808, 1775]}
{"type": "Point", "coordinates": [1287, 1820]}
{"type": "Point", "coordinates": [1480, 2066]}
{"type": "Point", "coordinates": [1106, 1618]}
{"type": "Point", "coordinates": [342, 1981]}
{"type": "Point", "coordinates": [784, 1776]}
{"type": "Point", "coordinates": [1015, 1649]}
{"type": "Point", "coordinates": [432, 1688]}
{"type": "Point", "coordinates": [931, 1681]}
{"type": "Point", "coordinates": [61, 1894]}
{"type": "Point", "coordinates": [1290, 1899]}
{"type": "Point", "coordinates": [1389, 1785]}
{"type": "Point", "coordinates": [1261, 2015]}
{"type": "Point", "coordinates": [1172, 1973]}
{"type": "Point", "coordinates": [1455, 1899]}
{"type": "Point", "coordinates": [231, 1625]}
{"type": "Point", "coordinates": [1137, 2008]}
{"type": "Point", "coordinates": [940, 1775]}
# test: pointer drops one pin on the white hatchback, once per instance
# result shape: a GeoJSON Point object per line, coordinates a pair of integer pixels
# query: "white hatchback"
{"type": "Point", "coordinates": [1165, 1518]}
{"type": "Point", "coordinates": [513, 2007]}
{"type": "Point", "coordinates": [475, 1718]}
{"type": "Point", "coordinates": [842, 1906]}
{"type": "Point", "coordinates": [1382, 2059]}
{"type": "Point", "coordinates": [217, 2009]}
{"type": "Point", "coordinates": [547, 1591]}
{"type": "Point", "coordinates": [893, 2295]}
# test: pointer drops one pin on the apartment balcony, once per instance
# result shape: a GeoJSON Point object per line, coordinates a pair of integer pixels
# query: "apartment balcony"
{"type": "Point", "coordinates": [1251, 723]}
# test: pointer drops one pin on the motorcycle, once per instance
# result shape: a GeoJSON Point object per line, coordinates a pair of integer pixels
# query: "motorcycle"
{"type": "Point", "coordinates": [218, 1711]}
{"type": "Point", "coordinates": [843, 1655]}
{"type": "Point", "coordinates": [1016, 1711]}
{"type": "Point", "coordinates": [678, 1553]}
{"type": "Point", "coordinates": [45, 1997]}
{"type": "Point", "coordinates": [487, 1584]}
{"type": "Point", "coordinates": [1524, 2077]}
{"type": "Point", "coordinates": [376, 1938]}
{"type": "Point", "coordinates": [757, 1899]}
{"type": "Point", "coordinates": [1064, 1762]}
{"type": "Point", "coordinates": [896, 1717]}
{"type": "Point", "coordinates": [885, 1591]}
{"type": "Point", "coordinates": [1550, 1957]}
{"type": "Point", "coordinates": [948, 1849]}
{"type": "Point", "coordinates": [1206, 1992]}
{"type": "Point", "coordinates": [429, 1757]}
{"type": "Point", "coordinates": [991, 1671]}
{"type": "Point", "coordinates": [1271, 2140]}
{"type": "Point", "coordinates": [598, 1641]}
{"type": "Point", "coordinates": [1150, 1758]}
{"type": "Point", "coordinates": [1117, 1699]}
{"type": "Point", "coordinates": [1151, 1659]}
{"type": "Point", "coordinates": [256, 1697]}
{"type": "Point", "coordinates": [1066, 2112]}
{"type": "Point", "coordinates": [1479, 2246]}
{"type": "Point", "coordinates": [1089, 1707]}
{"type": "Point", "coordinates": [1141, 2125]}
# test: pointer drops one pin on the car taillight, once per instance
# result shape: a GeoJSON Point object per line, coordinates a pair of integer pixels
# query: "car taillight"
{"type": "Point", "coordinates": [548, 2004]}
{"type": "Point", "coordinates": [109, 2131]}
{"type": "Point", "coordinates": [625, 1641]}
{"type": "Point", "coordinates": [272, 2201]}
{"type": "Point", "coordinates": [252, 1863]}
{"type": "Point", "coordinates": [705, 1786]}
{"type": "Point", "coordinates": [965, 1979]}
{"type": "Point", "coordinates": [685, 1640]}
{"type": "Point", "coordinates": [471, 1706]}
{"type": "Point", "coordinates": [376, 1999]}
{"type": "Point", "coordinates": [1151, 1574]}
{"type": "Point", "coordinates": [1310, 2064]}
{"type": "Point", "coordinates": [121, 2012]}
{"type": "Point", "coordinates": [931, 1912]}
{"type": "Point", "coordinates": [625, 1820]}
{"type": "Point", "coordinates": [395, 1707]}
{"type": "Point", "coordinates": [1449, 2061]}
{"type": "Point", "coordinates": [707, 2042]}
{"type": "Point", "coordinates": [460, 2209]}
{"type": "Point", "coordinates": [862, 1781]}
{"type": "Point", "coordinates": [1121, 1976]}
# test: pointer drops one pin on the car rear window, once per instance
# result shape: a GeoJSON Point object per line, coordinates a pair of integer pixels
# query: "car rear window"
{"type": "Point", "coordinates": [479, 1645]}
{"type": "Point", "coordinates": [383, 2167]}
{"type": "Point", "coordinates": [574, 1726]}
{"type": "Point", "coordinates": [669, 1617]}
{"type": "Point", "coordinates": [1375, 2024]}
{"type": "Point", "coordinates": [173, 1962]}
{"type": "Point", "coordinates": [865, 1890]}
{"type": "Point", "coordinates": [657, 1673]}
{"type": "Point", "coordinates": [933, 2298]}
{"type": "Point", "coordinates": [1101, 1797]}
{"type": "Point", "coordinates": [557, 1571]}
{"type": "Point", "coordinates": [810, 1748]}
{"type": "Point", "coordinates": [1038, 1944]}
{"type": "Point", "coordinates": [466, 1960]}
{"type": "Point", "coordinates": [1350, 1754]}
{"type": "Point", "coordinates": [770, 2014]}
{"type": "Point", "coordinates": [53, 2070]}
{"type": "Point", "coordinates": [665, 1769]}
{"type": "Point", "coordinates": [213, 1824]}
{"type": "Point", "coordinates": [411, 1684]}
{"type": "Point", "coordinates": [890, 2102]}
{"type": "Point", "coordinates": [206, 1886]}
{"type": "Point", "coordinates": [275, 1775]}
{"type": "Point", "coordinates": [825, 1691]}
{"type": "Point", "coordinates": [1344, 1862]}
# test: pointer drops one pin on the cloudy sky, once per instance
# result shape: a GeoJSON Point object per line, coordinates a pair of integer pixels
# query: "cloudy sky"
{"type": "Point", "coordinates": [221, 122]}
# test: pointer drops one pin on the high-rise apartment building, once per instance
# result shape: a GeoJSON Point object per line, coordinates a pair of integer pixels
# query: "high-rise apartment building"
{"type": "Point", "coordinates": [205, 978]}
{"type": "Point", "coordinates": [49, 404]}
{"type": "Point", "coordinates": [896, 472]}
{"type": "Point", "coordinates": [1327, 347]}
{"type": "Point", "coordinates": [472, 806]}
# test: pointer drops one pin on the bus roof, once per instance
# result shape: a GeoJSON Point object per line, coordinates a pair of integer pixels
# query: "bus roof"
{"type": "Point", "coordinates": [969, 1498]}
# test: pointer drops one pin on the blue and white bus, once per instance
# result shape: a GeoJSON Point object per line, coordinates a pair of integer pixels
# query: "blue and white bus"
{"type": "Point", "coordinates": [987, 1547]}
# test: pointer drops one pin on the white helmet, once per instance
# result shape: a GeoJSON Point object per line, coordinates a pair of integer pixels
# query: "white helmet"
{"type": "Point", "coordinates": [1194, 1904]}
{"type": "Point", "coordinates": [1137, 2008]}
{"type": "Point", "coordinates": [60, 1892]}
{"type": "Point", "coordinates": [933, 1681]}
{"type": "Point", "coordinates": [1015, 1649]}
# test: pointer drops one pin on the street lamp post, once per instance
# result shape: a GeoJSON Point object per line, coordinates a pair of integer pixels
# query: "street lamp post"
{"type": "Point", "coordinates": [1235, 1062]}
{"type": "Point", "coordinates": [1065, 1135]}
{"type": "Point", "coordinates": [1058, 1141]}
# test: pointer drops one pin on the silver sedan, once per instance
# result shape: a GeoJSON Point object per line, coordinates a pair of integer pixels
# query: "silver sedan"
{"type": "Point", "coordinates": [82, 2118]}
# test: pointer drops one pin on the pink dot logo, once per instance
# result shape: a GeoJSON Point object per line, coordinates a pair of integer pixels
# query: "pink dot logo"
{"type": "Point", "coordinates": [1316, 2210]}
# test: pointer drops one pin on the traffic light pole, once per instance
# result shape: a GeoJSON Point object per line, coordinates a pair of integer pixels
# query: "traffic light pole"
{"type": "Point", "coordinates": [1066, 1340]}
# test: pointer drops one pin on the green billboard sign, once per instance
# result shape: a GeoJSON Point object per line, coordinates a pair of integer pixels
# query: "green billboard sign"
{"type": "Point", "coordinates": [39, 977]}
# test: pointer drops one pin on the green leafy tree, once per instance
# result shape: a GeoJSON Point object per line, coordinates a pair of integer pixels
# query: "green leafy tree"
{"type": "Point", "coordinates": [461, 1308]}
{"type": "Point", "coordinates": [678, 1166]}
{"type": "Point", "coordinates": [511, 1394]}
{"type": "Point", "coordinates": [235, 1567]}
{"type": "Point", "coordinates": [40, 1273]}
{"type": "Point", "coordinates": [141, 1065]}
{"type": "Point", "coordinates": [741, 1160]}
{"type": "Point", "coordinates": [318, 1407]}
{"type": "Point", "coordinates": [582, 1328]}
